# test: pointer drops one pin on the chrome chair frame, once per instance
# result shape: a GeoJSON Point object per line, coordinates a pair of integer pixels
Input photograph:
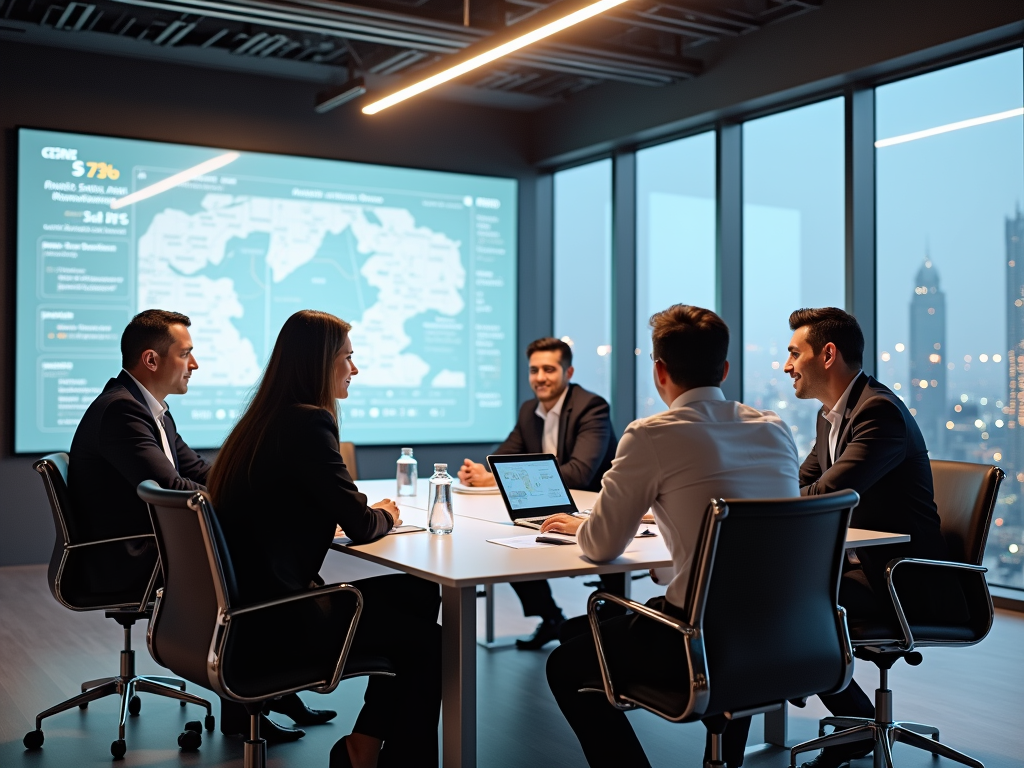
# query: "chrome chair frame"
{"type": "Point", "coordinates": [883, 731]}
{"type": "Point", "coordinates": [693, 637]}
{"type": "Point", "coordinates": [127, 684]}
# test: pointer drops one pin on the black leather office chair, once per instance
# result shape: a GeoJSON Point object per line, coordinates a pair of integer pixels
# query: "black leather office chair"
{"type": "Point", "coordinates": [965, 495]}
{"type": "Point", "coordinates": [244, 653]}
{"type": "Point", "coordinates": [72, 563]}
{"type": "Point", "coordinates": [757, 632]}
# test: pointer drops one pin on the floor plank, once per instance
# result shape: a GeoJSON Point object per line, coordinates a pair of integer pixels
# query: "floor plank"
{"type": "Point", "coordinates": [973, 694]}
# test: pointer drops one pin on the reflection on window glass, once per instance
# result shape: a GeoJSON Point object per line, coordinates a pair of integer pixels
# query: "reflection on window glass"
{"type": "Point", "coordinates": [950, 273]}
{"type": "Point", "coordinates": [675, 223]}
{"type": "Point", "coordinates": [583, 271]}
{"type": "Point", "coordinates": [793, 246]}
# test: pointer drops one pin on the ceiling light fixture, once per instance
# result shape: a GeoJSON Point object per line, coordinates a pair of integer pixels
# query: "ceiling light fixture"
{"type": "Point", "coordinates": [335, 97]}
{"type": "Point", "coordinates": [176, 180]}
{"type": "Point", "coordinates": [504, 49]}
{"type": "Point", "coordinates": [949, 127]}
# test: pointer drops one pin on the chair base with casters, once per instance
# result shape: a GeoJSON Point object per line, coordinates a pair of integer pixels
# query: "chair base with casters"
{"type": "Point", "coordinates": [127, 685]}
{"type": "Point", "coordinates": [882, 730]}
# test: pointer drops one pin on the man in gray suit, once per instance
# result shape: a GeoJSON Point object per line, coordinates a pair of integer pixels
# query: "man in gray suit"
{"type": "Point", "coordinates": [575, 426]}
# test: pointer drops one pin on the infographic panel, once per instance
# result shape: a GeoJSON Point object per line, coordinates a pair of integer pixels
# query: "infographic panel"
{"type": "Point", "coordinates": [421, 263]}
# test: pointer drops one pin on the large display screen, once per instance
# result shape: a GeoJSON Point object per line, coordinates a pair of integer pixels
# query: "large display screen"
{"type": "Point", "coordinates": [422, 263]}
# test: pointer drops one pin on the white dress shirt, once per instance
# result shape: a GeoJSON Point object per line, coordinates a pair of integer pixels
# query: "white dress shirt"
{"type": "Point", "coordinates": [158, 409]}
{"type": "Point", "coordinates": [549, 440]}
{"type": "Point", "coordinates": [835, 418]}
{"type": "Point", "coordinates": [675, 462]}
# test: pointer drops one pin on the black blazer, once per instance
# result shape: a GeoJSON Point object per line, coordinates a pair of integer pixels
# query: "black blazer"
{"type": "Point", "coordinates": [116, 447]}
{"type": "Point", "coordinates": [881, 455]}
{"type": "Point", "coordinates": [586, 440]}
{"type": "Point", "coordinates": [279, 518]}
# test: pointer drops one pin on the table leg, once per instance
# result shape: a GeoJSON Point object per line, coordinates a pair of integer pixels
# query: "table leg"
{"type": "Point", "coordinates": [489, 608]}
{"type": "Point", "coordinates": [458, 708]}
{"type": "Point", "coordinates": [776, 726]}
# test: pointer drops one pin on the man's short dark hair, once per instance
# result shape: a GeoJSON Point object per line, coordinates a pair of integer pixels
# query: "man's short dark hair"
{"type": "Point", "coordinates": [550, 344]}
{"type": "Point", "coordinates": [150, 329]}
{"type": "Point", "coordinates": [692, 343]}
{"type": "Point", "coordinates": [832, 324]}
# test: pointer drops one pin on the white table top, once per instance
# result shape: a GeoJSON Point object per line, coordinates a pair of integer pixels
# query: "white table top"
{"type": "Point", "coordinates": [466, 557]}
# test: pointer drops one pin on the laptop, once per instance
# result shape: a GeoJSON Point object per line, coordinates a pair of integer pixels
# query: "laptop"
{"type": "Point", "coordinates": [532, 487]}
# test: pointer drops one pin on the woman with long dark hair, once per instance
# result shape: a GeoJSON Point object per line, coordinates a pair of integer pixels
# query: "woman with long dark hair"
{"type": "Point", "coordinates": [280, 488]}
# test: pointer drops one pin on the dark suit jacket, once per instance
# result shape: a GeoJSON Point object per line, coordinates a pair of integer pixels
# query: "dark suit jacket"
{"type": "Point", "coordinates": [116, 447]}
{"type": "Point", "coordinates": [586, 440]}
{"type": "Point", "coordinates": [279, 518]}
{"type": "Point", "coordinates": [881, 455]}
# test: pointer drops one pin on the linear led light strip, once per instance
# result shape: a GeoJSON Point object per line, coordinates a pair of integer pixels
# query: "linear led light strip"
{"type": "Point", "coordinates": [495, 53]}
{"type": "Point", "coordinates": [949, 127]}
{"type": "Point", "coordinates": [177, 179]}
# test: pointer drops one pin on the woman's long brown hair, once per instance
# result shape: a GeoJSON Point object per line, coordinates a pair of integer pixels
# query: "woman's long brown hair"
{"type": "Point", "coordinates": [300, 372]}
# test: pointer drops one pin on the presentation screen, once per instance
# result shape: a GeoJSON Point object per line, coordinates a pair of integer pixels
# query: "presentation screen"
{"type": "Point", "coordinates": [421, 263]}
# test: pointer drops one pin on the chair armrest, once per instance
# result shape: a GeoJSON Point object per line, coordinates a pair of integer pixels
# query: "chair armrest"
{"type": "Point", "coordinates": [890, 569]}
{"type": "Point", "coordinates": [697, 663]}
{"type": "Point", "coordinates": [268, 608]}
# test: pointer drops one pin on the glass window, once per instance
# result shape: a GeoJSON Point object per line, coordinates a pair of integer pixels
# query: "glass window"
{"type": "Point", "coordinates": [793, 246]}
{"type": "Point", "coordinates": [583, 271]}
{"type": "Point", "coordinates": [949, 164]}
{"type": "Point", "coordinates": [675, 239]}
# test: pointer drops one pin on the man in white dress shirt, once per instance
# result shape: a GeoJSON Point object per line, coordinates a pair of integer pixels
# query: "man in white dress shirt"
{"type": "Point", "coordinates": [674, 462]}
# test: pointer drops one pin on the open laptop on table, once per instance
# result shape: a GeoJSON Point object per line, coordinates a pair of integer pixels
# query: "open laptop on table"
{"type": "Point", "coordinates": [531, 487]}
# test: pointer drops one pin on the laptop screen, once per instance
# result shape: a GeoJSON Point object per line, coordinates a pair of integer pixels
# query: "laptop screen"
{"type": "Point", "coordinates": [531, 485]}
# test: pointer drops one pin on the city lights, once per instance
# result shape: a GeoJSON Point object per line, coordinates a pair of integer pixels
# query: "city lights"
{"type": "Point", "coordinates": [950, 425]}
{"type": "Point", "coordinates": [900, 347]}
{"type": "Point", "coordinates": [979, 423]}
{"type": "Point", "coordinates": [885, 357]}
{"type": "Point", "coordinates": [983, 358]}
{"type": "Point", "coordinates": [997, 358]}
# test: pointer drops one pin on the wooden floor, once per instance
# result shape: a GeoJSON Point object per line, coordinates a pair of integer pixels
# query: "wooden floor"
{"type": "Point", "coordinates": [976, 695]}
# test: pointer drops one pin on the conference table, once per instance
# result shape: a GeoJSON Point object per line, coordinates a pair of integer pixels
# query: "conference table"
{"type": "Point", "coordinates": [465, 559]}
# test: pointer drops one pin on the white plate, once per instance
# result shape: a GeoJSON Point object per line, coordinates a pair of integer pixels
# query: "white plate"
{"type": "Point", "coordinates": [487, 490]}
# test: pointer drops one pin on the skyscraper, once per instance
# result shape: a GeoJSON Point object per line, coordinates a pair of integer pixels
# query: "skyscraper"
{"type": "Point", "coordinates": [1014, 410]}
{"type": "Point", "coordinates": [927, 357]}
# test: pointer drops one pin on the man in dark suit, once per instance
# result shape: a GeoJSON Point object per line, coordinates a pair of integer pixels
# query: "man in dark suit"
{"type": "Point", "coordinates": [575, 426]}
{"type": "Point", "coordinates": [127, 435]}
{"type": "Point", "coordinates": [867, 440]}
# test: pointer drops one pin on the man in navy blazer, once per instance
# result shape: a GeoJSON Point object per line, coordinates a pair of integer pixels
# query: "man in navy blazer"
{"type": "Point", "coordinates": [575, 426]}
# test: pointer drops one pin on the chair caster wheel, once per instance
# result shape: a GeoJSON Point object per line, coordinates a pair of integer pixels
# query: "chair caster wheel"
{"type": "Point", "coordinates": [211, 722]}
{"type": "Point", "coordinates": [118, 748]}
{"type": "Point", "coordinates": [84, 706]}
{"type": "Point", "coordinates": [182, 703]}
{"type": "Point", "coordinates": [190, 740]}
{"type": "Point", "coordinates": [194, 726]}
{"type": "Point", "coordinates": [33, 740]}
{"type": "Point", "coordinates": [134, 705]}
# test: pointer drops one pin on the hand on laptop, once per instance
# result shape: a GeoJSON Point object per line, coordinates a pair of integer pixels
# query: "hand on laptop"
{"type": "Point", "coordinates": [391, 508]}
{"type": "Point", "coordinates": [473, 474]}
{"type": "Point", "coordinates": [562, 524]}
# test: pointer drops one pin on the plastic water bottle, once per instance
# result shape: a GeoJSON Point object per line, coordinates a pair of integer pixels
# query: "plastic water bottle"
{"type": "Point", "coordinates": [442, 518]}
{"type": "Point", "coordinates": [407, 474]}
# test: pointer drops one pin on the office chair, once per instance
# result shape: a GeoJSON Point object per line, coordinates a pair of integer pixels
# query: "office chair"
{"type": "Point", "coordinates": [348, 455]}
{"type": "Point", "coordinates": [965, 495]}
{"type": "Point", "coordinates": [757, 633]}
{"type": "Point", "coordinates": [71, 564]}
{"type": "Point", "coordinates": [244, 653]}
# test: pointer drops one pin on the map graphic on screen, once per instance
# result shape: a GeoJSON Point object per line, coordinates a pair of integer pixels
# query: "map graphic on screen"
{"type": "Point", "coordinates": [421, 263]}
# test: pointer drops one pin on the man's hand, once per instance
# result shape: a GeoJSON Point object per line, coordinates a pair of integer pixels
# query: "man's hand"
{"type": "Point", "coordinates": [562, 524]}
{"type": "Point", "coordinates": [473, 474]}
{"type": "Point", "coordinates": [391, 508]}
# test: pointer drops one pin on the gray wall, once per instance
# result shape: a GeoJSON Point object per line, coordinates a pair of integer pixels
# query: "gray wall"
{"type": "Point", "coordinates": [48, 88]}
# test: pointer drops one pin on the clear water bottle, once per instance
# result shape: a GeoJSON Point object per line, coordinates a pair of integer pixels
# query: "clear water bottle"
{"type": "Point", "coordinates": [407, 474]}
{"type": "Point", "coordinates": [442, 518]}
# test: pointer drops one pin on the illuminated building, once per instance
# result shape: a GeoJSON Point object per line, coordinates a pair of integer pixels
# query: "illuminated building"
{"type": "Point", "coordinates": [927, 395]}
{"type": "Point", "coordinates": [1014, 462]}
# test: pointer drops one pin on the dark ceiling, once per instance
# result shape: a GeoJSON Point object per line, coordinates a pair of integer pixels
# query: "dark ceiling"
{"type": "Point", "coordinates": [644, 42]}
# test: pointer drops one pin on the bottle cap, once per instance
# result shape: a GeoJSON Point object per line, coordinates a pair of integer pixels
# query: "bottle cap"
{"type": "Point", "coordinates": [440, 467]}
{"type": "Point", "coordinates": [407, 451]}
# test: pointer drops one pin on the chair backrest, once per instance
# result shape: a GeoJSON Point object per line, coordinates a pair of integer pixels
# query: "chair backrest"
{"type": "Point", "coordinates": [965, 495]}
{"type": "Point", "coordinates": [766, 600]}
{"type": "Point", "coordinates": [348, 455]}
{"type": "Point", "coordinates": [197, 574]}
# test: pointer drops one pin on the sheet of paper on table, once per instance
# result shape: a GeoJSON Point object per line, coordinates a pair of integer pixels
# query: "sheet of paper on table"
{"type": "Point", "coordinates": [530, 541]}
{"type": "Point", "coordinates": [397, 529]}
